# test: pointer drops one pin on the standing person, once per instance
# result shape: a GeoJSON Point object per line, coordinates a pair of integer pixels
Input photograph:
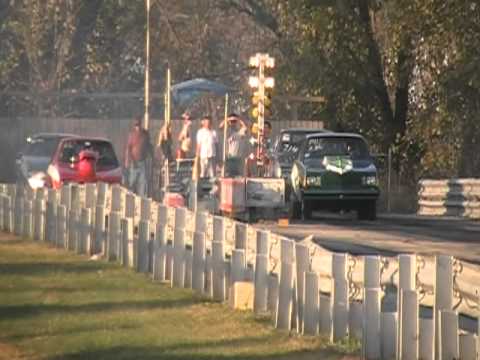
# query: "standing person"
{"type": "Point", "coordinates": [139, 148]}
{"type": "Point", "coordinates": [165, 142]}
{"type": "Point", "coordinates": [207, 148]}
{"type": "Point", "coordinates": [267, 136]}
{"type": "Point", "coordinates": [185, 138]}
{"type": "Point", "coordinates": [237, 145]}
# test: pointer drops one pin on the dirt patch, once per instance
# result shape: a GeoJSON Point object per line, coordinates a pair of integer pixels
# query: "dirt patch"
{"type": "Point", "coordinates": [10, 352]}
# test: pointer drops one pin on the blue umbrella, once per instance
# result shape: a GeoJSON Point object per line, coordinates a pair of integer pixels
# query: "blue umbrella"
{"type": "Point", "coordinates": [188, 91]}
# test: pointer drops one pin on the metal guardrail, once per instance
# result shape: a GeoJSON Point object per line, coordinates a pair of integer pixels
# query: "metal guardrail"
{"type": "Point", "coordinates": [453, 197]}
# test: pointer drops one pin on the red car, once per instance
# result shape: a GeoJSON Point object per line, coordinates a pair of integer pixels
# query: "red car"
{"type": "Point", "coordinates": [83, 160]}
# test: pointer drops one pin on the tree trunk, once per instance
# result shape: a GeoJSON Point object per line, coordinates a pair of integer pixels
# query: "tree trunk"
{"type": "Point", "coordinates": [376, 72]}
{"type": "Point", "coordinates": [404, 70]}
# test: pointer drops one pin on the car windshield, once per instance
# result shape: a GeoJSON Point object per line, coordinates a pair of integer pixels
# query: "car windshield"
{"type": "Point", "coordinates": [41, 147]}
{"type": "Point", "coordinates": [289, 142]}
{"type": "Point", "coordinates": [317, 148]}
{"type": "Point", "coordinates": [104, 149]}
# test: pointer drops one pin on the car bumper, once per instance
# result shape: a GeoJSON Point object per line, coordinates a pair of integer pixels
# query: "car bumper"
{"type": "Point", "coordinates": [338, 195]}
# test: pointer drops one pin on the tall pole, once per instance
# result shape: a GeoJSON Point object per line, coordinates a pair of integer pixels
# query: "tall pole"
{"type": "Point", "coordinates": [147, 69]}
{"type": "Point", "coordinates": [169, 92]}
{"type": "Point", "coordinates": [261, 110]}
{"type": "Point", "coordinates": [167, 100]}
{"type": "Point", "coordinates": [225, 133]}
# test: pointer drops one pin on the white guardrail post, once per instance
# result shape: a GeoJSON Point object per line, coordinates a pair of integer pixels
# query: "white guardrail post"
{"type": "Point", "coordinates": [113, 236]}
{"type": "Point", "coordinates": [179, 235]}
{"type": "Point", "coordinates": [302, 260]}
{"type": "Point", "coordinates": [372, 304]}
{"type": "Point", "coordinates": [201, 224]}
{"type": "Point", "coordinates": [39, 222]}
{"type": "Point", "coordinates": [340, 303]}
{"type": "Point", "coordinates": [443, 294]}
{"type": "Point", "coordinates": [286, 288]}
{"type": "Point", "coordinates": [261, 272]}
{"type": "Point", "coordinates": [7, 219]}
{"type": "Point", "coordinates": [199, 254]}
{"type": "Point", "coordinates": [218, 253]}
{"type": "Point", "coordinates": [468, 347]}
{"type": "Point", "coordinates": [143, 238]}
{"type": "Point", "coordinates": [18, 210]}
{"type": "Point", "coordinates": [407, 282]}
{"type": "Point", "coordinates": [371, 341]}
{"type": "Point", "coordinates": [61, 235]}
{"type": "Point", "coordinates": [169, 252]}
{"type": "Point", "coordinates": [448, 335]}
{"type": "Point", "coordinates": [127, 242]}
{"type": "Point", "coordinates": [100, 230]}
{"type": "Point", "coordinates": [27, 219]}
{"type": "Point", "coordinates": [388, 329]}
{"type": "Point", "coordinates": [409, 330]}
{"type": "Point", "coordinates": [102, 194]}
{"type": "Point", "coordinates": [160, 245]}
{"type": "Point", "coordinates": [146, 215]}
{"type": "Point", "coordinates": [2, 201]}
{"type": "Point", "coordinates": [311, 305]}
{"type": "Point", "coordinates": [51, 216]}
{"type": "Point", "coordinates": [85, 233]}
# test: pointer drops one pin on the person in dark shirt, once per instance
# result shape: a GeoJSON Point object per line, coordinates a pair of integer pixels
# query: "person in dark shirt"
{"type": "Point", "coordinates": [139, 148]}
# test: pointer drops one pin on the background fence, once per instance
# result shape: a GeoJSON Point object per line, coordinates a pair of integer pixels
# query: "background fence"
{"type": "Point", "coordinates": [14, 131]}
{"type": "Point", "coordinates": [383, 302]}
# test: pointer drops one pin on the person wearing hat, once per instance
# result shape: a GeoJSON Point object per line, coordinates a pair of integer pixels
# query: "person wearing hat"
{"type": "Point", "coordinates": [237, 145]}
{"type": "Point", "coordinates": [138, 149]}
{"type": "Point", "coordinates": [185, 137]}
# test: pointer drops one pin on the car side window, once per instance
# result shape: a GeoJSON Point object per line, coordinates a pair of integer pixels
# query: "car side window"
{"type": "Point", "coordinates": [106, 154]}
{"type": "Point", "coordinates": [66, 153]}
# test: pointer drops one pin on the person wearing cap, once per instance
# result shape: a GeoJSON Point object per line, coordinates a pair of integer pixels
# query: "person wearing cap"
{"type": "Point", "coordinates": [138, 149]}
{"type": "Point", "coordinates": [185, 137]}
{"type": "Point", "coordinates": [237, 145]}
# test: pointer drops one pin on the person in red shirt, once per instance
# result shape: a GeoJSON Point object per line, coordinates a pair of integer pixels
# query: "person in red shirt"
{"type": "Point", "coordinates": [139, 148]}
{"type": "Point", "coordinates": [87, 163]}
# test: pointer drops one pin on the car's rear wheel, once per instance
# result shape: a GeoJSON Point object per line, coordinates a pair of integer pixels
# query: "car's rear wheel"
{"type": "Point", "coordinates": [367, 210]}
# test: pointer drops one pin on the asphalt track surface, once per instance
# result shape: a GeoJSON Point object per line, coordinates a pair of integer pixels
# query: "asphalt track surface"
{"type": "Point", "coordinates": [389, 235]}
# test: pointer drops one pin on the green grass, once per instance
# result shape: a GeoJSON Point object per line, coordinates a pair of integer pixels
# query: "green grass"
{"type": "Point", "coordinates": [56, 305]}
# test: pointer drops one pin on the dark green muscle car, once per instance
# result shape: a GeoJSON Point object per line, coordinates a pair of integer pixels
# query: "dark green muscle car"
{"type": "Point", "coordinates": [334, 171]}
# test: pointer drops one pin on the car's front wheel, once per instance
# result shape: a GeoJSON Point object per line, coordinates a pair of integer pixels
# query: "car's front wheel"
{"type": "Point", "coordinates": [306, 210]}
{"type": "Point", "coordinates": [295, 208]}
{"type": "Point", "coordinates": [367, 210]}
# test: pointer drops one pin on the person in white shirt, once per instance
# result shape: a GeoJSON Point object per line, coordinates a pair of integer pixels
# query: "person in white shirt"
{"type": "Point", "coordinates": [207, 148]}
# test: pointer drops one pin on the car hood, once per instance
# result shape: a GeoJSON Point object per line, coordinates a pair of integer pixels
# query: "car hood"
{"type": "Point", "coordinates": [339, 165]}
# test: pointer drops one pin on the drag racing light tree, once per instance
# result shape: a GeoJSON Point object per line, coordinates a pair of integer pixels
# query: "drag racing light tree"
{"type": "Point", "coordinates": [261, 83]}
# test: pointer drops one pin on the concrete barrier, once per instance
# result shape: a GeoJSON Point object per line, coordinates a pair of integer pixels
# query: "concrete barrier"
{"type": "Point", "coordinates": [453, 197]}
